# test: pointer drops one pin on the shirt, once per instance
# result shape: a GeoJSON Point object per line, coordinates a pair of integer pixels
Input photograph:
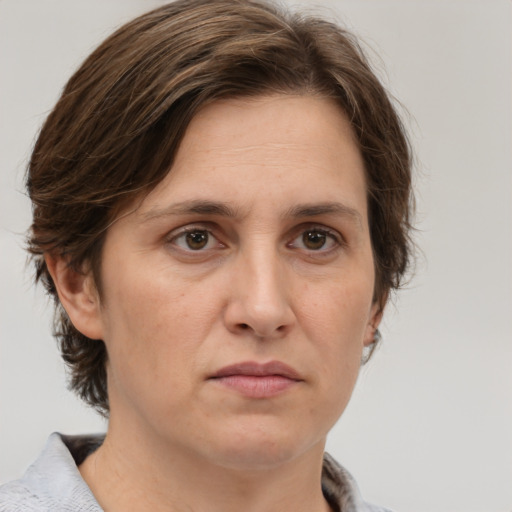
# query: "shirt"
{"type": "Point", "coordinates": [53, 483]}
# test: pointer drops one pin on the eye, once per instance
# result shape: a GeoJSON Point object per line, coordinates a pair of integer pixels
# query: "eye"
{"type": "Point", "coordinates": [316, 239]}
{"type": "Point", "coordinates": [195, 239]}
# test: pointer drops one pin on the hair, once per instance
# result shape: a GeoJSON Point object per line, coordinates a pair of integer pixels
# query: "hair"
{"type": "Point", "coordinates": [113, 134]}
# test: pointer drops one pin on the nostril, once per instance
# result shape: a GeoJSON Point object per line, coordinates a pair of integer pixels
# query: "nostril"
{"type": "Point", "coordinates": [247, 327]}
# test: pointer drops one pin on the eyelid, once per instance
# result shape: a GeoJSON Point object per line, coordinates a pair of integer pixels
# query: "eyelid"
{"type": "Point", "coordinates": [334, 234]}
{"type": "Point", "coordinates": [190, 226]}
{"type": "Point", "coordinates": [213, 231]}
{"type": "Point", "coordinates": [176, 233]}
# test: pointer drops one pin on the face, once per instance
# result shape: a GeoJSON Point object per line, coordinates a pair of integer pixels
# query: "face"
{"type": "Point", "coordinates": [237, 295]}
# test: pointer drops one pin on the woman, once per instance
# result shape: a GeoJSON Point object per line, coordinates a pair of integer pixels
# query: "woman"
{"type": "Point", "coordinates": [221, 209]}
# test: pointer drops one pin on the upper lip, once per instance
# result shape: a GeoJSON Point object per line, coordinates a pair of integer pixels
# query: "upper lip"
{"type": "Point", "coordinates": [256, 369]}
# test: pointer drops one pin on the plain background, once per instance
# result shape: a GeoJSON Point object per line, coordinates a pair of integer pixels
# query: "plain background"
{"type": "Point", "coordinates": [429, 428]}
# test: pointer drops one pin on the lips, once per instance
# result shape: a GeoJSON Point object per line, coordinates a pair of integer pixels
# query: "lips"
{"type": "Point", "coordinates": [257, 380]}
{"type": "Point", "coordinates": [259, 370]}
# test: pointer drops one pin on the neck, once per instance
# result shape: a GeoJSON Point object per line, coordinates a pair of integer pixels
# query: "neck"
{"type": "Point", "coordinates": [126, 473]}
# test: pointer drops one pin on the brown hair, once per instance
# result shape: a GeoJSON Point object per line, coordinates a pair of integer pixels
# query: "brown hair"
{"type": "Point", "coordinates": [115, 130]}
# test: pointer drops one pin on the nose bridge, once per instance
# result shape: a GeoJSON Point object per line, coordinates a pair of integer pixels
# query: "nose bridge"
{"type": "Point", "coordinates": [260, 301]}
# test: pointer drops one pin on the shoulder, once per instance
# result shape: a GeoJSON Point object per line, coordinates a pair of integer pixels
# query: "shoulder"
{"type": "Point", "coordinates": [341, 490]}
{"type": "Point", "coordinates": [53, 481]}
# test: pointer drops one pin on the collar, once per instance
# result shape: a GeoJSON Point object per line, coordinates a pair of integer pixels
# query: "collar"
{"type": "Point", "coordinates": [53, 482]}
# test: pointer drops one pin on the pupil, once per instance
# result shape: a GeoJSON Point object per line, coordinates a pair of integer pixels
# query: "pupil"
{"type": "Point", "coordinates": [313, 239]}
{"type": "Point", "coordinates": [197, 239]}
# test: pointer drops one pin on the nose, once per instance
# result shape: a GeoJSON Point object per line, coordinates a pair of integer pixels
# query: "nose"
{"type": "Point", "coordinates": [259, 301]}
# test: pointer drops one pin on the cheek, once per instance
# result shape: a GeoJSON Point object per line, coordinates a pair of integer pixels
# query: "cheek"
{"type": "Point", "coordinates": [336, 319]}
{"type": "Point", "coordinates": [153, 325]}
{"type": "Point", "coordinates": [337, 314]}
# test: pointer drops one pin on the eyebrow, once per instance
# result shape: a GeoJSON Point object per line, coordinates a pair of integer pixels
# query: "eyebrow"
{"type": "Point", "coordinates": [329, 208]}
{"type": "Point", "coordinates": [198, 207]}
{"type": "Point", "coordinates": [221, 209]}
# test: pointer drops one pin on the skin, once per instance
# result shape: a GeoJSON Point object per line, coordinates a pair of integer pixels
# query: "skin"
{"type": "Point", "coordinates": [255, 247]}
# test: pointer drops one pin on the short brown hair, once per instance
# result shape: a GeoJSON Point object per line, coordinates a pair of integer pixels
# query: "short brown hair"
{"type": "Point", "coordinates": [115, 130]}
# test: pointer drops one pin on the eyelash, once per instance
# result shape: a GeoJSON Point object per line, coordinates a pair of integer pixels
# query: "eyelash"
{"type": "Point", "coordinates": [328, 234]}
{"type": "Point", "coordinates": [336, 239]}
{"type": "Point", "coordinates": [188, 230]}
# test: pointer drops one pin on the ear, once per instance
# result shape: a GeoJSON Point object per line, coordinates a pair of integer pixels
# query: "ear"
{"type": "Point", "coordinates": [78, 296]}
{"type": "Point", "coordinates": [374, 319]}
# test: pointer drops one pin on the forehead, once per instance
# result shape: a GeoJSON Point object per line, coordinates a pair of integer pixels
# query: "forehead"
{"type": "Point", "coordinates": [272, 149]}
{"type": "Point", "coordinates": [269, 127]}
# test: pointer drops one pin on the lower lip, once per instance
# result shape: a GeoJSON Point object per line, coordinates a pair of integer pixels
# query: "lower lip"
{"type": "Point", "coordinates": [254, 386]}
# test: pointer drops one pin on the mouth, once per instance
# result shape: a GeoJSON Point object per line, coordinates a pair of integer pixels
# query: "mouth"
{"type": "Point", "coordinates": [256, 380]}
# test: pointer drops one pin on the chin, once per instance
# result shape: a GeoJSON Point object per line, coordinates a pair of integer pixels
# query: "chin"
{"type": "Point", "coordinates": [255, 458]}
{"type": "Point", "coordinates": [264, 449]}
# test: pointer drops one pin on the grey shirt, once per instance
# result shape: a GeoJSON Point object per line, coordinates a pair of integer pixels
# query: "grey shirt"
{"type": "Point", "coordinates": [53, 483]}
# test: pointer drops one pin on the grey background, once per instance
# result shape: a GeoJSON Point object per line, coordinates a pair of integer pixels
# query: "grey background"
{"type": "Point", "coordinates": [429, 428]}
